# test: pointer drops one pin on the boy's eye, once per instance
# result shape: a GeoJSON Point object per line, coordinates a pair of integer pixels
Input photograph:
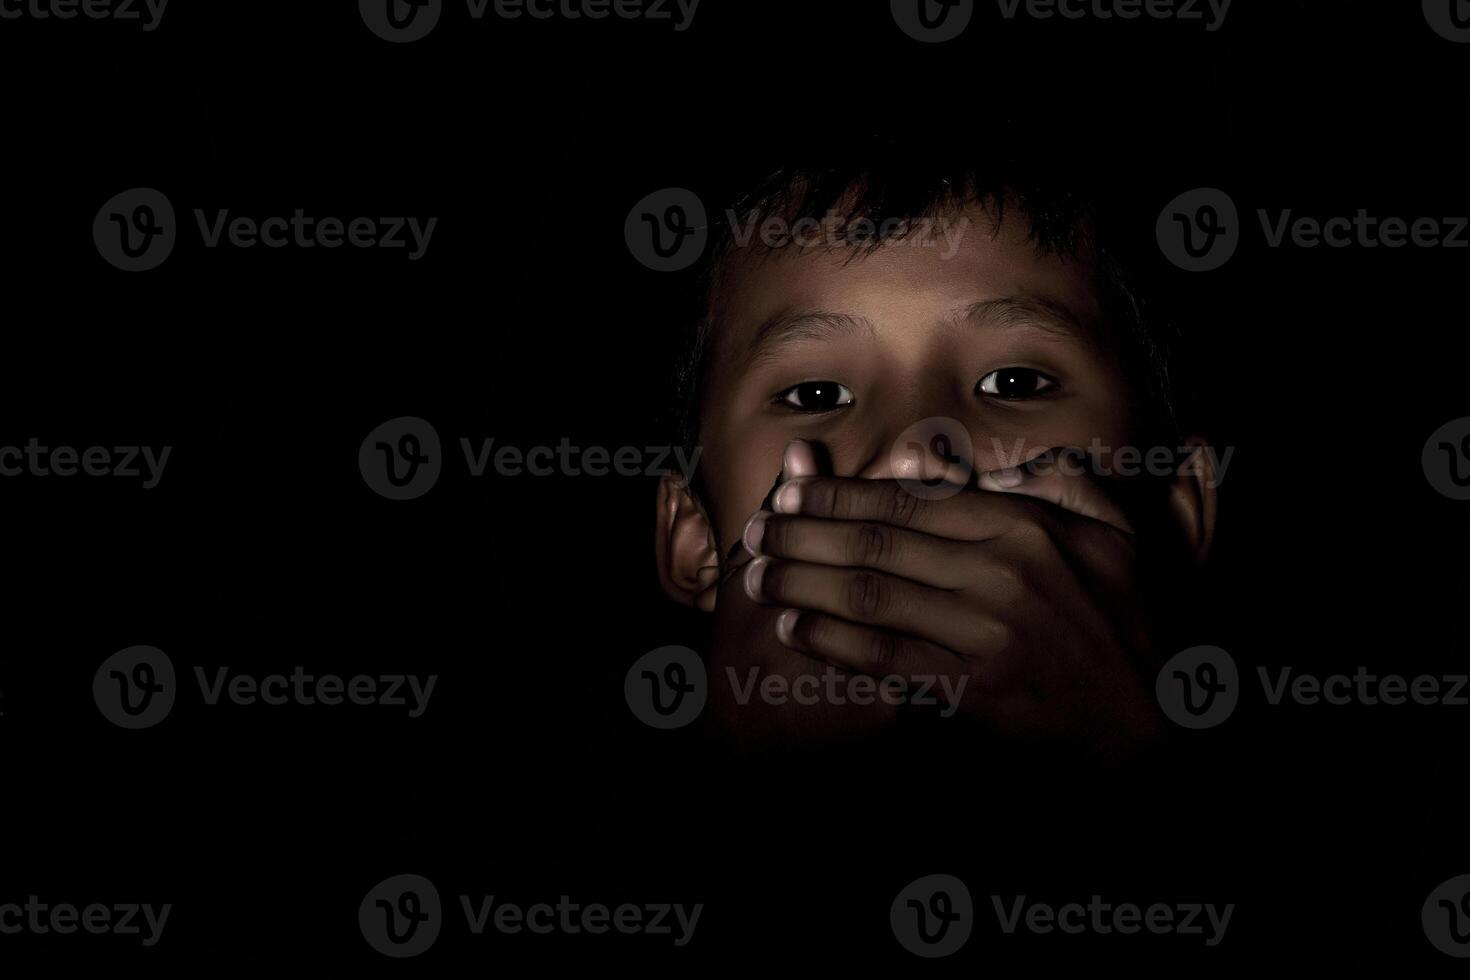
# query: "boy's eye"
{"type": "Point", "coordinates": [816, 396]}
{"type": "Point", "coordinates": [1015, 383]}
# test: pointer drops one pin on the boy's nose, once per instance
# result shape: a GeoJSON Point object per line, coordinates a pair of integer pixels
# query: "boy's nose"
{"type": "Point", "coordinates": [937, 449]}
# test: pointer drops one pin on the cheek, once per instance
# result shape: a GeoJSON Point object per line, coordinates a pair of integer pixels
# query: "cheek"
{"type": "Point", "coordinates": [1106, 416]}
{"type": "Point", "coordinates": [739, 473]}
{"type": "Point", "coordinates": [1002, 439]}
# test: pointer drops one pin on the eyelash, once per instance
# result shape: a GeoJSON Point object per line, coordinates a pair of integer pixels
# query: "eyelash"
{"type": "Point", "coordinates": [783, 398]}
{"type": "Point", "coordinates": [1048, 387]}
{"type": "Point", "coordinates": [1049, 384]}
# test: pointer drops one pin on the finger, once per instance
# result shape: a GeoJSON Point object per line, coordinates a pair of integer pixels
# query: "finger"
{"type": "Point", "coordinates": [799, 459]}
{"type": "Point", "coordinates": [1102, 542]}
{"type": "Point", "coordinates": [966, 516]}
{"type": "Point", "coordinates": [864, 649]}
{"type": "Point", "coordinates": [940, 562]}
{"type": "Point", "coordinates": [1061, 477]}
{"type": "Point", "coordinates": [862, 595]}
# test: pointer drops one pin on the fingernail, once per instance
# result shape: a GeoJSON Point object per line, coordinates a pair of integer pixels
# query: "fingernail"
{"type": "Point", "coordinates": [786, 626]}
{"type": "Point", "coordinates": [755, 530]}
{"type": "Point", "coordinates": [787, 499]}
{"type": "Point", "coordinates": [754, 572]}
{"type": "Point", "coordinates": [787, 457]}
{"type": "Point", "coordinates": [1008, 478]}
{"type": "Point", "coordinates": [798, 460]}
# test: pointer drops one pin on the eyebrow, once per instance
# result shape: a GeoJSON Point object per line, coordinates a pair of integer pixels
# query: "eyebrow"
{"type": "Point", "coordinates": [787, 328]}
{"type": "Point", "coordinates": [1035, 312]}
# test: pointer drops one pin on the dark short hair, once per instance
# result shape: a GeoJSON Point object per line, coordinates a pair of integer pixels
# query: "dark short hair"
{"type": "Point", "coordinates": [896, 182]}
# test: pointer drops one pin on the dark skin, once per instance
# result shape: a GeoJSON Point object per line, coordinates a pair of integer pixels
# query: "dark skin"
{"type": "Point", "coordinates": [1026, 586]}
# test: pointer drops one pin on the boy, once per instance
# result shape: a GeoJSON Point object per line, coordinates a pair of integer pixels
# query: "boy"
{"type": "Point", "coordinates": [918, 352]}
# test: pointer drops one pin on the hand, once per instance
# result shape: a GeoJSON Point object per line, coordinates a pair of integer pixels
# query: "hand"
{"type": "Point", "coordinates": [746, 652]}
{"type": "Point", "coordinates": [1025, 590]}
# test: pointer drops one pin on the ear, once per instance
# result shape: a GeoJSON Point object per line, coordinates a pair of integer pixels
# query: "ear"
{"type": "Point", "coordinates": [684, 546]}
{"type": "Point", "coordinates": [1192, 500]}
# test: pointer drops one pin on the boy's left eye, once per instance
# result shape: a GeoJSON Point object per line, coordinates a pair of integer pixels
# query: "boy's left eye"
{"type": "Point", "coordinates": [816, 396]}
{"type": "Point", "coordinates": [1015, 383]}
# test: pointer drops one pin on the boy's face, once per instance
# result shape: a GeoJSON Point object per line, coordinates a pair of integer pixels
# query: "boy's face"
{"type": "Point", "coordinates": [1016, 592]}
{"type": "Point", "coordinates": [995, 336]}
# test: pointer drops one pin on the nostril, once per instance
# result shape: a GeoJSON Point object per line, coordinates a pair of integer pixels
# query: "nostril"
{"type": "Point", "coordinates": [934, 451]}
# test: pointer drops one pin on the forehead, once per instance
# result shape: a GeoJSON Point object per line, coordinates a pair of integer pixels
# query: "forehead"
{"type": "Point", "coordinates": [942, 266]}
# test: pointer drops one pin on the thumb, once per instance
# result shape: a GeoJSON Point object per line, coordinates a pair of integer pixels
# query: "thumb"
{"type": "Point", "coordinates": [1062, 477]}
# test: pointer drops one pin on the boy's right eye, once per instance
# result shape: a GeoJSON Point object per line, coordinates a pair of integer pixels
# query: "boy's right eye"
{"type": "Point", "coordinates": [816, 396]}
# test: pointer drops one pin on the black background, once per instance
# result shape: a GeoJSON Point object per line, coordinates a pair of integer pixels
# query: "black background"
{"type": "Point", "coordinates": [529, 321]}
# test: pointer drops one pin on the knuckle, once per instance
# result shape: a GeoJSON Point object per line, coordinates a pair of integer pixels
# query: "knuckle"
{"type": "Point", "coordinates": [1011, 579]}
{"type": "Point", "coordinates": [883, 650]}
{"type": "Point", "coordinates": [867, 596]}
{"type": "Point", "coordinates": [773, 579]}
{"type": "Point", "coordinates": [781, 536]}
{"type": "Point", "coordinates": [902, 506]}
{"type": "Point", "coordinates": [871, 545]}
{"type": "Point", "coordinates": [1032, 529]}
{"type": "Point", "coordinates": [813, 632]}
{"type": "Point", "coordinates": [839, 500]}
{"type": "Point", "coordinates": [1049, 541]}
{"type": "Point", "coordinates": [998, 637]}
{"type": "Point", "coordinates": [809, 496]}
